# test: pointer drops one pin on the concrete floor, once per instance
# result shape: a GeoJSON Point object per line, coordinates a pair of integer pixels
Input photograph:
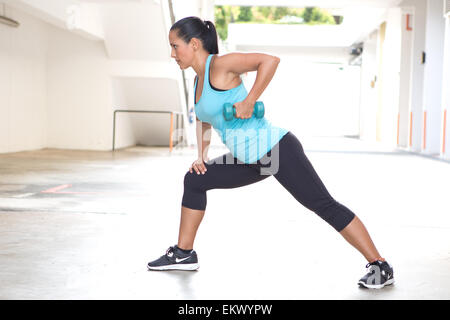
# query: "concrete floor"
{"type": "Point", "coordinates": [83, 225]}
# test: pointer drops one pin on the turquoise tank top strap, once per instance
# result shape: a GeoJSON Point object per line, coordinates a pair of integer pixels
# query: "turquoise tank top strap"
{"type": "Point", "coordinates": [206, 77]}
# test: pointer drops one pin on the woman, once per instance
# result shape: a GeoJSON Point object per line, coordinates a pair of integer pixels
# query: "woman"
{"type": "Point", "coordinates": [257, 149]}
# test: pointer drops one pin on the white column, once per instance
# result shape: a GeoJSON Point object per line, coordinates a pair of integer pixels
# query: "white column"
{"type": "Point", "coordinates": [206, 9]}
{"type": "Point", "coordinates": [432, 98]}
{"type": "Point", "coordinates": [418, 21]}
{"type": "Point", "coordinates": [405, 81]}
{"type": "Point", "coordinates": [369, 98]}
{"type": "Point", "coordinates": [390, 69]}
{"type": "Point", "coordinates": [446, 93]}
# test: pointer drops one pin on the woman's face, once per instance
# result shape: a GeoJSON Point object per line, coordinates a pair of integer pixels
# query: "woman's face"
{"type": "Point", "coordinates": [182, 52]}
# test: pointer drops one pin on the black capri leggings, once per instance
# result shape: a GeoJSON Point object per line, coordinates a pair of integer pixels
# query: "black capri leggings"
{"type": "Point", "coordinates": [287, 162]}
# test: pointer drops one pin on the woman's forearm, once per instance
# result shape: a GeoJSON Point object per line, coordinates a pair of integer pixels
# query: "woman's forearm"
{"type": "Point", "coordinates": [206, 129]}
{"type": "Point", "coordinates": [264, 75]}
{"type": "Point", "coordinates": [203, 130]}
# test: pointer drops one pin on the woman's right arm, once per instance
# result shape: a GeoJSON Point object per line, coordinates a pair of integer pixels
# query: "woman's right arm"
{"type": "Point", "coordinates": [203, 130]}
{"type": "Point", "coordinates": [203, 139]}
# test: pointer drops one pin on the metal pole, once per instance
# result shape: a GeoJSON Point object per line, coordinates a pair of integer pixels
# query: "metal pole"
{"type": "Point", "coordinates": [114, 131]}
{"type": "Point", "coordinates": [171, 132]}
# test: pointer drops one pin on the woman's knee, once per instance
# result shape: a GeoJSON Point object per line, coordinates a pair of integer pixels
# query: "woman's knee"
{"type": "Point", "coordinates": [194, 195]}
{"type": "Point", "coordinates": [335, 214]}
{"type": "Point", "coordinates": [192, 181]}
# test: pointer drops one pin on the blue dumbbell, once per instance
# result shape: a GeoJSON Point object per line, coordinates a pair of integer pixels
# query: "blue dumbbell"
{"type": "Point", "coordinates": [229, 111]}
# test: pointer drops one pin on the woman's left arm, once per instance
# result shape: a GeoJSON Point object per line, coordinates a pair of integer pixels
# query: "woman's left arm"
{"type": "Point", "coordinates": [264, 64]}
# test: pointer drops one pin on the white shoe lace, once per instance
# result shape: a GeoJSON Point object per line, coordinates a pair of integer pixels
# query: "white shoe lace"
{"type": "Point", "coordinates": [169, 252]}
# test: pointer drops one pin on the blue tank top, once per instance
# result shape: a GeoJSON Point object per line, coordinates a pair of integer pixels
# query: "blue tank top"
{"type": "Point", "coordinates": [247, 139]}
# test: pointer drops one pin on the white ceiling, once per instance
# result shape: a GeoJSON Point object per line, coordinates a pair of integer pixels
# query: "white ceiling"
{"type": "Point", "coordinates": [313, 3]}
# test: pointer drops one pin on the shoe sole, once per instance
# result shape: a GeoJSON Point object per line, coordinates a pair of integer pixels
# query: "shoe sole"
{"type": "Point", "coordinates": [181, 266]}
{"type": "Point", "coordinates": [376, 286]}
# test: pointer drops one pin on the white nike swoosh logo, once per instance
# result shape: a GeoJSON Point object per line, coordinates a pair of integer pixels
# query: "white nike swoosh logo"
{"type": "Point", "coordinates": [180, 260]}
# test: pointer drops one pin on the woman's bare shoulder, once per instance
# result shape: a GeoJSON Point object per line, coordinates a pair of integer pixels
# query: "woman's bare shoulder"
{"type": "Point", "coordinates": [238, 63]}
{"type": "Point", "coordinates": [223, 60]}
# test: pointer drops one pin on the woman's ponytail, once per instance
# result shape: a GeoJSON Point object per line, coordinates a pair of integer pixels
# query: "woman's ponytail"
{"type": "Point", "coordinates": [211, 39]}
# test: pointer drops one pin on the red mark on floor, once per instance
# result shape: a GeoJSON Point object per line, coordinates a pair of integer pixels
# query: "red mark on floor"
{"type": "Point", "coordinates": [56, 189]}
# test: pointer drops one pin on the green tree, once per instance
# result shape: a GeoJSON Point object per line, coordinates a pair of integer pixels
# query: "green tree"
{"type": "Point", "coordinates": [265, 11]}
{"type": "Point", "coordinates": [280, 12]}
{"type": "Point", "coordinates": [307, 14]}
{"type": "Point", "coordinates": [245, 14]}
{"type": "Point", "coordinates": [221, 22]}
{"type": "Point", "coordinates": [231, 14]}
{"type": "Point", "coordinates": [313, 15]}
{"type": "Point", "coordinates": [322, 16]}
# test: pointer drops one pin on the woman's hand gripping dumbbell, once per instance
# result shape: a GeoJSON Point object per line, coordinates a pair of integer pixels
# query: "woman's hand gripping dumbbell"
{"type": "Point", "coordinates": [229, 110]}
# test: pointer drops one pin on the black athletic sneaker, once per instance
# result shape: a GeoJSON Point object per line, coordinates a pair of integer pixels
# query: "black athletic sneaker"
{"type": "Point", "coordinates": [175, 259]}
{"type": "Point", "coordinates": [380, 274]}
